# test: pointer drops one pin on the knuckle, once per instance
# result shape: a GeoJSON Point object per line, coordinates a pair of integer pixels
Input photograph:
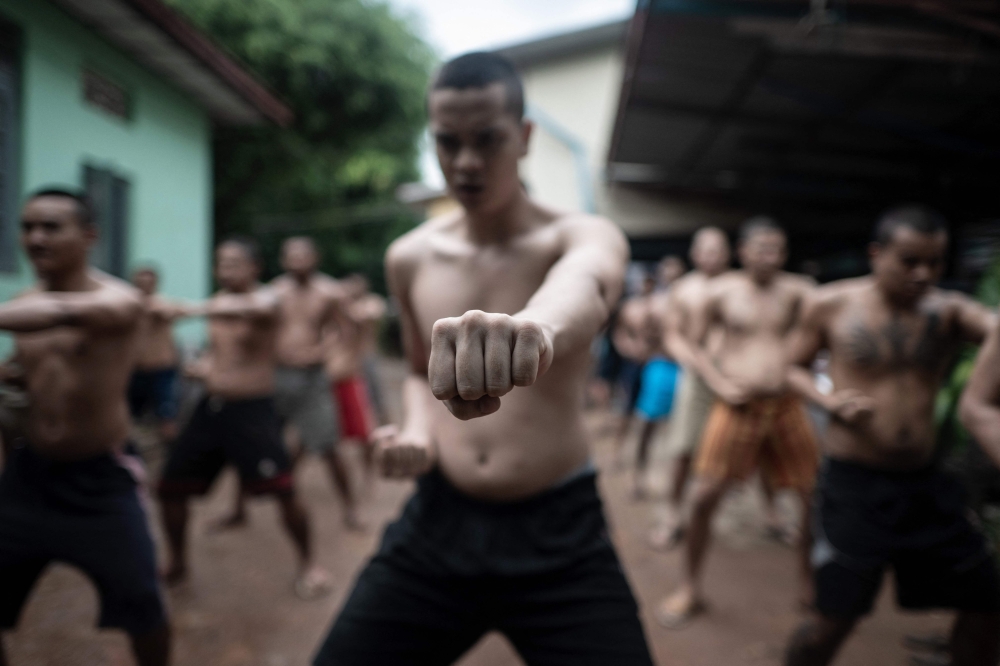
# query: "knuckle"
{"type": "Point", "coordinates": [443, 327]}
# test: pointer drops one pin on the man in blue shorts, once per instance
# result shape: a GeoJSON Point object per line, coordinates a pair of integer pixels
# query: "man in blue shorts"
{"type": "Point", "coordinates": [66, 493]}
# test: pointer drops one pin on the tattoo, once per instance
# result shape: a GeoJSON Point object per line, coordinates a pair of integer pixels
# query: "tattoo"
{"type": "Point", "coordinates": [864, 346]}
{"type": "Point", "coordinates": [931, 352]}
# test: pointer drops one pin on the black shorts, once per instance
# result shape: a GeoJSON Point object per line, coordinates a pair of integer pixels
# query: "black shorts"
{"type": "Point", "coordinates": [542, 571]}
{"type": "Point", "coordinates": [244, 433]}
{"type": "Point", "coordinates": [154, 391]}
{"type": "Point", "coordinates": [84, 513]}
{"type": "Point", "coordinates": [916, 522]}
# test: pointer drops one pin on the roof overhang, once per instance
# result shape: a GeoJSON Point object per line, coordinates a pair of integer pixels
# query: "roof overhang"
{"type": "Point", "coordinates": [872, 101]}
{"type": "Point", "coordinates": [165, 43]}
{"type": "Point", "coordinates": [565, 45]}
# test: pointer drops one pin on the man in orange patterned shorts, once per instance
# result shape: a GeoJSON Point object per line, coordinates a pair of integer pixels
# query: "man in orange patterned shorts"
{"type": "Point", "coordinates": [755, 423]}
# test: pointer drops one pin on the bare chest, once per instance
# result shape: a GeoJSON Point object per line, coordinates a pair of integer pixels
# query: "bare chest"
{"type": "Point", "coordinates": [879, 342]}
{"type": "Point", "coordinates": [491, 281]}
{"type": "Point", "coordinates": [238, 336]}
{"type": "Point", "coordinates": [747, 311]}
{"type": "Point", "coordinates": [302, 310]}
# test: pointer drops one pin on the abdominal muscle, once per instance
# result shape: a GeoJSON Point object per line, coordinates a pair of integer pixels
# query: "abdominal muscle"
{"type": "Point", "coordinates": [900, 435]}
{"type": "Point", "coordinates": [535, 440]}
{"type": "Point", "coordinates": [758, 362]}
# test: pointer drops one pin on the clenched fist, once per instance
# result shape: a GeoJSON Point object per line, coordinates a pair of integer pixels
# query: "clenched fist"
{"type": "Point", "coordinates": [850, 406]}
{"type": "Point", "coordinates": [479, 357]}
{"type": "Point", "coordinates": [402, 455]}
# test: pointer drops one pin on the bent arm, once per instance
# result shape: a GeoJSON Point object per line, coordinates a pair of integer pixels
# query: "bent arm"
{"type": "Point", "coordinates": [975, 320]}
{"type": "Point", "coordinates": [702, 320]}
{"type": "Point", "coordinates": [980, 406]}
{"type": "Point", "coordinates": [44, 310]}
{"type": "Point", "coordinates": [805, 342]}
{"type": "Point", "coordinates": [675, 322]}
{"type": "Point", "coordinates": [580, 289]}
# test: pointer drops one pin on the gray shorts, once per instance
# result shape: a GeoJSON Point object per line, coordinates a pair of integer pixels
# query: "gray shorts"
{"type": "Point", "coordinates": [302, 398]}
{"type": "Point", "coordinates": [694, 403]}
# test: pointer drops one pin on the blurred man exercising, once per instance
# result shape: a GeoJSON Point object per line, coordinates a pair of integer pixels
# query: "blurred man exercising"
{"type": "Point", "coordinates": [881, 500]}
{"type": "Point", "coordinates": [153, 387]}
{"type": "Point", "coordinates": [500, 302]}
{"type": "Point", "coordinates": [756, 422]}
{"type": "Point", "coordinates": [236, 422]}
{"type": "Point", "coordinates": [710, 255]}
{"type": "Point", "coordinates": [65, 493]}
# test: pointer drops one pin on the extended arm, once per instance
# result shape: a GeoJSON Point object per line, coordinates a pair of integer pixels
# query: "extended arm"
{"type": "Point", "coordinates": [106, 307]}
{"type": "Point", "coordinates": [980, 406]}
{"type": "Point", "coordinates": [259, 304]}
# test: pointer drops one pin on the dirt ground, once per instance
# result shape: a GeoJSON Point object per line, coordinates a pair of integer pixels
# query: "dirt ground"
{"type": "Point", "coordinates": [239, 609]}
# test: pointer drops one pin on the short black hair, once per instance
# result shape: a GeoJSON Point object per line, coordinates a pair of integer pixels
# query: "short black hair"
{"type": "Point", "coordinates": [480, 69]}
{"type": "Point", "coordinates": [250, 246]}
{"type": "Point", "coordinates": [84, 206]}
{"type": "Point", "coordinates": [914, 216]}
{"type": "Point", "coordinates": [759, 223]}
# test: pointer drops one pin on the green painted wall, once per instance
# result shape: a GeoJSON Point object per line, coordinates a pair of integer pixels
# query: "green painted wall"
{"type": "Point", "coordinates": [164, 149]}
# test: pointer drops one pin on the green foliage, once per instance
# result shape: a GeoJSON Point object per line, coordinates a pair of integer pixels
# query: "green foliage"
{"type": "Point", "coordinates": [355, 76]}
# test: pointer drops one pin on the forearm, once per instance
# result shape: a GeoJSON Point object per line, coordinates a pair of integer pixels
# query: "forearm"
{"type": "Point", "coordinates": [417, 403]}
{"type": "Point", "coordinates": [982, 420]}
{"type": "Point", "coordinates": [37, 314]}
{"type": "Point", "coordinates": [235, 305]}
{"type": "Point", "coordinates": [570, 317]}
{"type": "Point", "coordinates": [802, 382]}
{"type": "Point", "coordinates": [679, 348]}
{"type": "Point", "coordinates": [703, 365]}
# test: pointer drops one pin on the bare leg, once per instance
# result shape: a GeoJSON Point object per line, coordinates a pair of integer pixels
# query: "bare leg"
{"type": "Point", "coordinates": [175, 519]}
{"type": "Point", "coordinates": [312, 581]}
{"type": "Point", "coordinates": [3, 654]}
{"type": "Point", "coordinates": [817, 641]}
{"type": "Point", "coordinates": [807, 587]}
{"type": "Point", "coordinates": [687, 600]}
{"type": "Point", "coordinates": [151, 648]}
{"type": "Point", "coordinates": [237, 517]}
{"type": "Point", "coordinates": [624, 427]}
{"type": "Point", "coordinates": [975, 639]}
{"type": "Point", "coordinates": [341, 477]}
{"type": "Point", "coordinates": [642, 459]}
{"type": "Point", "coordinates": [368, 460]}
{"type": "Point", "coordinates": [669, 533]}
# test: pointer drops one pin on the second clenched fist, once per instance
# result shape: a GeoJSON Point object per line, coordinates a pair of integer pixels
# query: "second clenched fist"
{"type": "Point", "coordinates": [479, 357]}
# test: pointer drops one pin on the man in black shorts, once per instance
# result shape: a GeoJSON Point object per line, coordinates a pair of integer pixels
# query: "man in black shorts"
{"type": "Point", "coordinates": [506, 530]}
{"type": "Point", "coordinates": [236, 421]}
{"type": "Point", "coordinates": [67, 493]}
{"type": "Point", "coordinates": [881, 500]}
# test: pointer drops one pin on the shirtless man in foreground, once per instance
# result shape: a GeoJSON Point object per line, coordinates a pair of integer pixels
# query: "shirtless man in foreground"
{"type": "Point", "coordinates": [710, 255]}
{"type": "Point", "coordinates": [755, 422]}
{"type": "Point", "coordinates": [500, 302]}
{"type": "Point", "coordinates": [153, 386]}
{"type": "Point", "coordinates": [65, 493]}
{"type": "Point", "coordinates": [236, 421]}
{"type": "Point", "coordinates": [882, 501]}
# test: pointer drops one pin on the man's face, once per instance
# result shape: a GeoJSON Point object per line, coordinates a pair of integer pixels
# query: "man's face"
{"type": "Point", "coordinates": [763, 254]}
{"type": "Point", "coordinates": [479, 143]}
{"type": "Point", "coordinates": [298, 258]}
{"type": "Point", "coordinates": [234, 269]}
{"type": "Point", "coordinates": [668, 271]}
{"type": "Point", "coordinates": [52, 235]}
{"type": "Point", "coordinates": [145, 281]}
{"type": "Point", "coordinates": [910, 263]}
{"type": "Point", "coordinates": [710, 254]}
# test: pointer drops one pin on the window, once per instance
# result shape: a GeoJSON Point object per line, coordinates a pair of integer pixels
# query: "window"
{"type": "Point", "coordinates": [109, 194]}
{"type": "Point", "coordinates": [9, 147]}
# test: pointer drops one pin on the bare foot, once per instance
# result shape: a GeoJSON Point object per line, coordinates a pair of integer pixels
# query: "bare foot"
{"type": "Point", "coordinates": [175, 574]}
{"type": "Point", "coordinates": [234, 522]}
{"type": "Point", "coordinates": [679, 608]}
{"type": "Point", "coordinates": [665, 536]}
{"type": "Point", "coordinates": [313, 583]}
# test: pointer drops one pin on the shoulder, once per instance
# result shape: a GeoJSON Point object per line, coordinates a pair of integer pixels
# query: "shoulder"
{"type": "Point", "coordinates": [586, 228]}
{"type": "Point", "coordinates": [833, 295]}
{"type": "Point", "coordinates": [407, 250]}
{"type": "Point", "coordinates": [117, 289]}
{"type": "Point", "coordinates": [953, 301]}
{"type": "Point", "coordinates": [724, 283]}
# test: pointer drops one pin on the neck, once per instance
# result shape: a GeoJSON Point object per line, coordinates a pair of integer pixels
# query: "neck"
{"type": "Point", "coordinates": [896, 302]}
{"type": "Point", "coordinates": [302, 279]}
{"type": "Point", "coordinates": [500, 225]}
{"type": "Point", "coordinates": [76, 279]}
{"type": "Point", "coordinates": [762, 280]}
{"type": "Point", "coordinates": [242, 289]}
